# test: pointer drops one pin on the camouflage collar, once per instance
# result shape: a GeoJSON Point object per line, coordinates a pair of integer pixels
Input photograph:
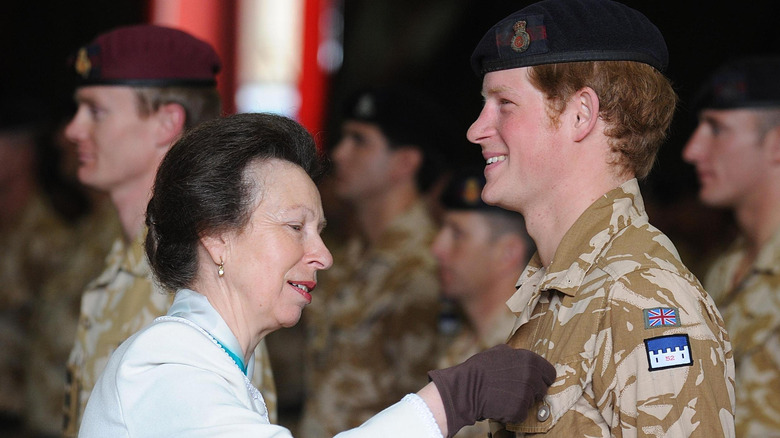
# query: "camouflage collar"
{"type": "Point", "coordinates": [123, 257]}
{"type": "Point", "coordinates": [585, 241]}
{"type": "Point", "coordinates": [135, 258]}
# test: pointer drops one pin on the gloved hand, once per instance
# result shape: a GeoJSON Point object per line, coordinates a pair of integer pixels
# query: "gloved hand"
{"type": "Point", "coordinates": [499, 383]}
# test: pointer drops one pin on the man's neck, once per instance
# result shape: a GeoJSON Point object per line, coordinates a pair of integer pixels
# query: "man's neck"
{"type": "Point", "coordinates": [375, 214]}
{"type": "Point", "coordinates": [130, 205]}
{"type": "Point", "coordinates": [485, 308]}
{"type": "Point", "coordinates": [549, 221]}
{"type": "Point", "coordinates": [758, 219]}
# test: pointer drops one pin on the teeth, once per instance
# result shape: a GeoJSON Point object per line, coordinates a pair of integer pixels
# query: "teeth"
{"type": "Point", "coordinates": [492, 160]}
{"type": "Point", "coordinates": [300, 286]}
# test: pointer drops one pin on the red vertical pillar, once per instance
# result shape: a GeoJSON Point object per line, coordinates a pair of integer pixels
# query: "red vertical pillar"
{"type": "Point", "coordinates": [209, 20]}
{"type": "Point", "coordinates": [312, 83]}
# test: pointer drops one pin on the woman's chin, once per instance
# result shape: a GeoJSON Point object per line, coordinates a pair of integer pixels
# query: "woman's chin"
{"type": "Point", "coordinates": [290, 322]}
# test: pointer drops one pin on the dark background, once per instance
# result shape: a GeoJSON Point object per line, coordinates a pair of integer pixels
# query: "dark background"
{"type": "Point", "coordinates": [426, 44]}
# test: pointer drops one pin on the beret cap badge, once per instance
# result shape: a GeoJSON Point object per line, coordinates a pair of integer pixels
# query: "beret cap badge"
{"type": "Point", "coordinates": [83, 64]}
{"type": "Point", "coordinates": [366, 108]}
{"type": "Point", "coordinates": [521, 39]}
{"type": "Point", "coordinates": [472, 191]}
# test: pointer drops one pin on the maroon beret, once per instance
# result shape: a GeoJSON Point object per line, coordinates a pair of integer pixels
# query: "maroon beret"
{"type": "Point", "coordinates": [147, 55]}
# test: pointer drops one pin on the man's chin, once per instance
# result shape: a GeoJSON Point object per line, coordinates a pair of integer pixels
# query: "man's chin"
{"type": "Point", "coordinates": [711, 198]}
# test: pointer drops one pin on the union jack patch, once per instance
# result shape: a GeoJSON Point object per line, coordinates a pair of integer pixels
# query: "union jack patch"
{"type": "Point", "coordinates": [661, 317]}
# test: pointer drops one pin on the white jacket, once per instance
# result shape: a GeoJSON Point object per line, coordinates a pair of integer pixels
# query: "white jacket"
{"type": "Point", "coordinates": [174, 379]}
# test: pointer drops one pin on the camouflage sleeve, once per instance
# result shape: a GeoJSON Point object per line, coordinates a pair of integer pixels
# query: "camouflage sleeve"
{"type": "Point", "coordinates": [405, 348]}
{"type": "Point", "coordinates": [757, 394]}
{"type": "Point", "coordinates": [663, 360]}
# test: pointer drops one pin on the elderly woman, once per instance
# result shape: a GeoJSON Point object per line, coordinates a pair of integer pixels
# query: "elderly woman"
{"type": "Point", "coordinates": [234, 228]}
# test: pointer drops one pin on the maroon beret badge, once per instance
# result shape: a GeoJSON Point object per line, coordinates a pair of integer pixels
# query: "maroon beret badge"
{"type": "Point", "coordinates": [83, 65]}
{"type": "Point", "coordinates": [521, 40]}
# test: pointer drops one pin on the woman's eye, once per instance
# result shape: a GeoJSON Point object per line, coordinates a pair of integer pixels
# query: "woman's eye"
{"type": "Point", "coordinates": [296, 227]}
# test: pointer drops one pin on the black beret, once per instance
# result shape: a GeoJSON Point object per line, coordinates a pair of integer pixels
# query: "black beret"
{"type": "Point", "coordinates": [147, 55]}
{"type": "Point", "coordinates": [405, 116]}
{"type": "Point", "coordinates": [748, 82]}
{"type": "Point", "coordinates": [556, 31]}
{"type": "Point", "coordinates": [464, 191]}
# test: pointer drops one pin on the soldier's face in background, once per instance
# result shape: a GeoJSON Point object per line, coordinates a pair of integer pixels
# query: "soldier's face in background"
{"type": "Point", "coordinates": [465, 251]}
{"type": "Point", "coordinates": [116, 146]}
{"type": "Point", "coordinates": [363, 162]}
{"type": "Point", "coordinates": [731, 160]}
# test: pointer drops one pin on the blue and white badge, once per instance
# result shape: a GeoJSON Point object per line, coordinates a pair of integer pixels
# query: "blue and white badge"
{"type": "Point", "coordinates": [668, 352]}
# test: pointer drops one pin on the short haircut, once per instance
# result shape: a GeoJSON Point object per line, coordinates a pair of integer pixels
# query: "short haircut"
{"type": "Point", "coordinates": [199, 103]}
{"type": "Point", "coordinates": [503, 222]}
{"type": "Point", "coordinates": [636, 101]}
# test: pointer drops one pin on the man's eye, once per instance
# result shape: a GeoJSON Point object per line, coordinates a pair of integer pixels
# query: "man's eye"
{"type": "Point", "coordinates": [96, 112]}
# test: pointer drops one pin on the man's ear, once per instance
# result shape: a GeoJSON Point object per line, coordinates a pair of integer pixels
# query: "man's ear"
{"type": "Point", "coordinates": [772, 143]}
{"type": "Point", "coordinates": [586, 112]}
{"type": "Point", "coordinates": [512, 251]}
{"type": "Point", "coordinates": [407, 161]}
{"type": "Point", "coordinates": [172, 118]}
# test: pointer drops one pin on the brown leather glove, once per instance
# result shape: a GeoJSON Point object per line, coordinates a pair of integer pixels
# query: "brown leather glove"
{"type": "Point", "coordinates": [499, 383]}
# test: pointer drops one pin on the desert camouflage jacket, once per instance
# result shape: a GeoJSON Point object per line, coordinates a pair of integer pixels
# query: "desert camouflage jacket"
{"type": "Point", "coordinates": [35, 247]}
{"type": "Point", "coordinates": [751, 310]}
{"type": "Point", "coordinates": [640, 349]}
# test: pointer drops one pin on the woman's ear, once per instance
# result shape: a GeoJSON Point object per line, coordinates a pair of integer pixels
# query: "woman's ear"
{"type": "Point", "coordinates": [216, 247]}
{"type": "Point", "coordinates": [586, 112]}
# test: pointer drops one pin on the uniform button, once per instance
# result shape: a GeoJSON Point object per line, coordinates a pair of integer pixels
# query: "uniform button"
{"type": "Point", "coordinates": [543, 413]}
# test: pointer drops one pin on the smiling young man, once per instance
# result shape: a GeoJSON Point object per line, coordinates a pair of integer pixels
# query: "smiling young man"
{"type": "Point", "coordinates": [575, 109]}
{"type": "Point", "coordinates": [138, 88]}
{"type": "Point", "coordinates": [736, 151]}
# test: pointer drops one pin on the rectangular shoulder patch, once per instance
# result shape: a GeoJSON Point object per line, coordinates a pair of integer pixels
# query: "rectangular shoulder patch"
{"type": "Point", "coordinates": [661, 317]}
{"type": "Point", "coordinates": [668, 352]}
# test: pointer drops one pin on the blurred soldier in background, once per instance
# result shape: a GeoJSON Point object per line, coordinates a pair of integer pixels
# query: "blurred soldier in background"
{"type": "Point", "coordinates": [481, 251]}
{"type": "Point", "coordinates": [372, 334]}
{"type": "Point", "coordinates": [736, 151]}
